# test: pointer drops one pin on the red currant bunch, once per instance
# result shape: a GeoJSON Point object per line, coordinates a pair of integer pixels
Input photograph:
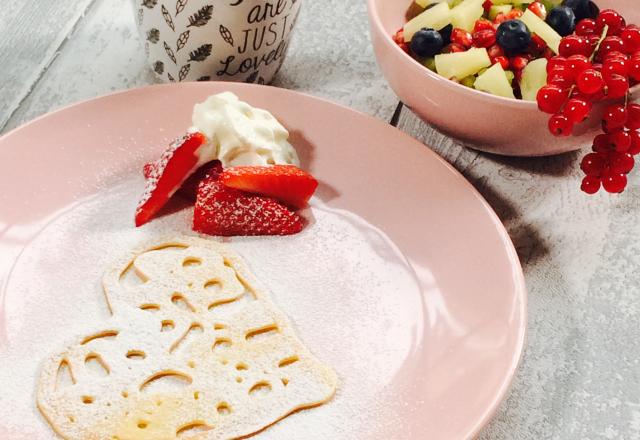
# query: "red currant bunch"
{"type": "Point", "coordinates": [601, 61]}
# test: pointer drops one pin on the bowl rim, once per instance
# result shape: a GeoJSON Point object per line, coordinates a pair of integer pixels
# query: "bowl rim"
{"type": "Point", "coordinates": [374, 18]}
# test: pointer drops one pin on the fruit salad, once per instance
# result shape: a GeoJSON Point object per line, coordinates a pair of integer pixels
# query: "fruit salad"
{"type": "Point", "coordinates": [500, 47]}
{"type": "Point", "coordinates": [236, 165]}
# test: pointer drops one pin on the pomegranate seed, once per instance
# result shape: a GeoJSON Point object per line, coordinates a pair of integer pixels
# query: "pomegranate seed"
{"type": "Point", "coordinates": [614, 183]}
{"type": "Point", "coordinates": [617, 86]}
{"type": "Point", "coordinates": [485, 38]}
{"type": "Point", "coordinates": [399, 37]}
{"type": "Point", "coordinates": [539, 9]}
{"type": "Point", "coordinates": [590, 185]}
{"type": "Point", "coordinates": [537, 44]}
{"type": "Point", "coordinates": [461, 37]}
{"type": "Point", "coordinates": [487, 5]}
{"type": "Point", "coordinates": [575, 45]}
{"type": "Point", "coordinates": [504, 61]}
{"type": "Point", "coordinates": [622, 163]}
{"type": "Point", "coordinates": [513, 14]}
{"type": "Point", "coordinates": [621, 140]}
{"type": "Point", "coordinates": [631, 38]}
{"type": "Point", "coordinates": [586, 27]}
{"type": "Point", "coordinates": [559, 125]}
{"type": "Point", "coordinates": [590, 81]}
{"type": "Point", "coordinates": [550, 98]}
{"type": "Point", "coordinates": [518, 62]}
{"type": "Point", "coordinates": [500, 18]}
{"type": "Point", "coordinates": [453, 48]}
{"type": "Point", "coordinates": [602, 143]}
{"type": "Point", "coordinates": [577, 110]}
{"type": "Point", "coordinates": [635, 143]}
{"type": "Point", "coordinates": [611, 18]}
{"type": "Point", "coordinates": [495, 51]}
{"type": "Point", "coordinates": [483, 25]}
{"type": "Point", "coordinates": [615, 117]}
{"type": "Point", "coordinates": [633, 116]}
{"type": "Point", "coordinates": [611, 44]}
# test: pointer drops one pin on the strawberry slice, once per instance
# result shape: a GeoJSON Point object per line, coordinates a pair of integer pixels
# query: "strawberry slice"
{"type": "Point", "coordinates": [225, 211]}
{"type": "Point", "coordinates": [287, 183]}
{"type": "Point", "coordinates": [189, 188]}
{"type": "Point", "coordinates": [166, 175]}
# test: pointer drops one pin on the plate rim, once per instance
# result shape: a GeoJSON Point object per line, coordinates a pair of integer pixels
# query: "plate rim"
{"type": "Point", "coordinates": [520, 290]}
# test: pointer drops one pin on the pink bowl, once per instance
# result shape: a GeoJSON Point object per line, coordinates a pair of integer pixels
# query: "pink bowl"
{"type": "Point", "coordinates": [487, 122]}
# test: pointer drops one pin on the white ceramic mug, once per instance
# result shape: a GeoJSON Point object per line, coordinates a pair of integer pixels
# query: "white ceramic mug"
{"type": "Point", "coordinates": [218, 40]}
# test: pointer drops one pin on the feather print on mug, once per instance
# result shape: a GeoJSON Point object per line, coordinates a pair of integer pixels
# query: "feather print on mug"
{"type": "Point", "coordinates": [229, 40]}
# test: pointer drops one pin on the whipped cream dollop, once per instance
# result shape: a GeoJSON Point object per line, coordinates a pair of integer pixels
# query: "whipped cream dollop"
{"type": "Point", "coordinates": [241, 134]}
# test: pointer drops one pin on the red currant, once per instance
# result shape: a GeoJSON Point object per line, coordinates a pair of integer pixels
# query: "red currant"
{"type": "Point", "coordinates": [622, 163]}
{"type": "Point", "coordinates": [590, 185]}
{"type": "Point", "coordinates": [487, 5]}
{"type": "Point", "coordinates": [617, 86]}
{"type": "Point", "coordinates": [577, 110]}
{"type": "Point", "coordinates": [602, 143]}
{"type": "Point", "coordinates": [631, 38]}
{"type": "Point", "coordinates": [615, 116]}
{"type": "Point", "coordinates": [551, 98]}
{"type": "Point", "coordinates": [633, 116]}
{"type": "Point", "coordinates": [614, 182]}
{"type": "Point", "coordinates": [593, 164]}
{"type": "Point", "coordinates": [615, 66]}
{"type": "Point", "coordinates": [586, 27]}
{"type": "Point", "coordinates": [611, 44]}
{"type": "Point", "coordinates": [575, 45]}
{"type": "Point", "coordinates": [554, 62]}
{"type": "Point", "coordinates": [559, 125]}
{"type": "Point", "coordinates": [621, 140]}
{"type": "Point", "coordinates": [590, 81]}
{"type": "Point", "coordinates": [576, 64]}
{"type": "Point", "coordinates": [635, 143]}
{"type": "Point", "coordinates": [611, 18]}
{"type": "Point", "coordinates": [634, 69]}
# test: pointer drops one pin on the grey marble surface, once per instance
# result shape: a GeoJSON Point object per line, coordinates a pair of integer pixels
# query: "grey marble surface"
{"type": "Point", "coordinates": [580, 375]}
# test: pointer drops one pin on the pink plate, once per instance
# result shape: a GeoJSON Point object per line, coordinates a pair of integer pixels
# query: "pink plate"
{"type": "Point", "coordinates": [405, 281]}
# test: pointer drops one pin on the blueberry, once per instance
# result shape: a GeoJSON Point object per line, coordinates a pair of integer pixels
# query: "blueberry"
{"type": "Point", "coordinates": [446, 34]}
{"type": "Point", "coordinates": [582, 8]}
{"type": "Point", "coordinates": [513, 36]}
{"type": "Point", "coordinates": [426, 43]}
{"type": "Point", "coordinates": [562, 19]}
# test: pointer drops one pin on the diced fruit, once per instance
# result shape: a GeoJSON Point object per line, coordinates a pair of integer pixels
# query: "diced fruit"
{"type": "Point", "coordinates": [462, 64]}
{"type": "Point", "coordinates": [226, 211]}
{"type": "Point", "coordinates": [544, 31]}
{"type": "Point", "coordinates": [534, 77]}
{"type": "Point", "coordinates": [464, 15]}
{"type": "Point", "coordinates": [495, 81]}
{"type": "Point", "coordinates": [287, 183]}
{"type": "Point", "coordinates": [513, 36]}
{"type": "Point", "coordinates": [499, 9]}
{"type": "Point", "coordinates": [426, 43]}
{"type": "Point", "coordinates": [425, 3]}
{"type": "Point", "coordinates": [165, 177]}
{"type": "Point", "coordinates": [562, 20]}
{"type": "Point", "coordinates": [436, 17]}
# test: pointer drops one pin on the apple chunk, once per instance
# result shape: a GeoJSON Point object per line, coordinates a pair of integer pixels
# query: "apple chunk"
{"type": "Point", "coordinates": [495, 81]}
{"type": "Point", "coordinates": [462, 64]}
{"type": "Point", "coordinates": [436, 18]}
{"type": "Point", "coordinates": [534, 77]}
{"type": "Point", "coordinates": [465, 15]}
{"type": "Point", "coordinates": [542, 29]}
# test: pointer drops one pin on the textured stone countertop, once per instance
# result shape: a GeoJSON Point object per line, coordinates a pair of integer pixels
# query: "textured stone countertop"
{"type": "Point", "coordinates": [580, 375]}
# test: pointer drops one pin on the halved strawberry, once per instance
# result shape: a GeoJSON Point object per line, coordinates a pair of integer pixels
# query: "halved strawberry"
{"type": "Point", "coordinates": [227, 212]}
{"type": "Point", "coordinates": [287, 183]}
{"type": "Point", "coordinates": [166, 175]}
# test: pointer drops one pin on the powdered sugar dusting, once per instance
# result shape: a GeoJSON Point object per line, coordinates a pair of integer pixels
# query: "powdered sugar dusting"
{"type": "Point", "coordinates": [348, 291]}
